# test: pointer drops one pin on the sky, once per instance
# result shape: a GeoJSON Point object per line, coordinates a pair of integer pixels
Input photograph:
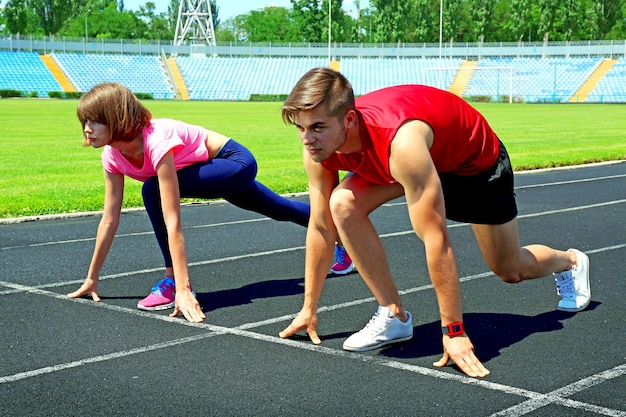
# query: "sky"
{"type": "Point", "coordinates": [232, 8]}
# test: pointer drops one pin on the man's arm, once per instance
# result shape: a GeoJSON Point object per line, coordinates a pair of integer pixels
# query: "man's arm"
{"type": "Point", "coordinates": [320, 241]}
{"type": "Point", "coordinates": [412, 166]}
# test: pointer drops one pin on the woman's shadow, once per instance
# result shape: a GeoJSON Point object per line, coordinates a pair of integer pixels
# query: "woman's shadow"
{"type": "Point", "coordinates": [245, 295]}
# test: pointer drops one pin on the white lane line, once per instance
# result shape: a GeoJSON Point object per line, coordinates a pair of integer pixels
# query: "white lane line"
{"type": "Point", "coordinates": [121, 235]}
{"type": "Point", "coordinates": [536, 399]}
{"type": "Point", "coordinates": [102, 358]}
{"type": "Point", "coordinates": [551, 184]}
{"type": "Point", "coordinates": [558, 396]}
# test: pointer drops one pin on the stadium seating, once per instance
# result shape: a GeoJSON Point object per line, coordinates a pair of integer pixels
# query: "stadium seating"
{"type": "Point", "coordinates": [26, 72]}
{"type": "Point", "coordinates": [534, 79]}
{"type": "Point", "coordinates": [612, 88]}
{"type": "Point", "coordinates": [371, 74]}
{"type": "Point", "coordinates": [140, 73]}
{"type": "Point", "coordinates": [237, 78]}
{"type": "Point", "coordinates": [225, 78]}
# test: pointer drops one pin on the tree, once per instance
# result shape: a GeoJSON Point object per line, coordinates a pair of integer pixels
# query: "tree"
{"type": "Point", "coordinates": [519, 19]}
{"type": "Point", "coordinates": [307, 17]}
{"type": "Point", "coordinates": [601, 16]}
{"type": "Point", "coordinates": [568, 19]}
{"type": "Point", "coordinates": [452, 18]}
{"type": "Point", "coordinates": [481, 12]}
{"type": "Point", "coordinates": [343, 27]}
{"type": "Point", "coordinates": [105, 22]}
{"type": "Point", "coordinates": [545, 17]}
{"type": "Point", "coordinates": [18, 17]}
{"type": "Point", "coordinates": [390, 20]}
{"type": "Point", "coordinates": [53, 14]}
{"type": "Point", "coordinates": [269, 24]}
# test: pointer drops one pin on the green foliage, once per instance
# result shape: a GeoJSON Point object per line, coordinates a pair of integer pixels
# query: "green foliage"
{"type": "Point", "coordinates": [144, 96]}
{"type": "Point", "coordinates": [11, 93]}
{"type": "Point", "coordinates": [268, 97]}
{"type": "Point", "coordinates": [385, 21]}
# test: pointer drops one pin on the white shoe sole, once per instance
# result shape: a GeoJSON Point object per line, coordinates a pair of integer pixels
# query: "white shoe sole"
{"type": "Point", "coordinates": [378, 345]}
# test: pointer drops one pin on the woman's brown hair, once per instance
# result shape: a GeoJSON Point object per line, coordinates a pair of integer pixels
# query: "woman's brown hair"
{"type": "Point", "coordinates": [115, 106]}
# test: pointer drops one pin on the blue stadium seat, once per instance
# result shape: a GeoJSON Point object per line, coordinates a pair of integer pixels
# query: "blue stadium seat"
{"type": "Point", "coordinates": [140, 73]}
{"type": "Point", "coordinates": [25, 71]}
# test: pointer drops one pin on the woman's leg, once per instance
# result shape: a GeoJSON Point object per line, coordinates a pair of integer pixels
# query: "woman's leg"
{"type": "Point", "coordinates": [152, 203]}
{"type": "Point", "coordinates": [231, 175]}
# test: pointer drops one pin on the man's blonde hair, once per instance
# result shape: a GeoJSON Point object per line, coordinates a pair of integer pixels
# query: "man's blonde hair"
{"type": "Point", "coordinates": [115, 106]}
{"type": "Point", "coordinates": [319, 86]}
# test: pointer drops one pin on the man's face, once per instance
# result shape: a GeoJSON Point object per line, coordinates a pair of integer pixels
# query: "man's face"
{"type": "Point", "coordinates": [321, 134]}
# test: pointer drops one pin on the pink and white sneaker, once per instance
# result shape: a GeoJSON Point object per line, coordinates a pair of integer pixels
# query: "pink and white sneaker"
{"type": "Point", "coordinates": [161, 297]}
{"type": "Point", "coordinates": [343, 264]}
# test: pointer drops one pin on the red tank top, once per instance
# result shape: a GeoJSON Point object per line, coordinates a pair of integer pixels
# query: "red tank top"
{"type": "Point", "coordinates": [464, 143]}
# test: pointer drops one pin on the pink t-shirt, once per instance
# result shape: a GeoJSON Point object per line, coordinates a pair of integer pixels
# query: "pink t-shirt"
{"type": "Point", "coordinates": [160, 137]}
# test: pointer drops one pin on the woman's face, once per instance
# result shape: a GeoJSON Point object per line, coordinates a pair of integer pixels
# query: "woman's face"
{"type": "Point", "coordinates": [97, 133]}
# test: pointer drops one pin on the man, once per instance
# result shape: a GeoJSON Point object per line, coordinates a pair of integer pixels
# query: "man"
{"type": "Point", "coordinates": [441, 154]}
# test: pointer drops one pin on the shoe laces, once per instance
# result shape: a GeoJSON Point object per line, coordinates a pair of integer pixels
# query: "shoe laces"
{"type": "Point", "coordinates": [162, 286]}
{"type": "Point", "coordinates": [375, 326]}
{"type": "Point", "coordinates": [565, 284]}
{"type": "Point", "coordinates": [341, 254]}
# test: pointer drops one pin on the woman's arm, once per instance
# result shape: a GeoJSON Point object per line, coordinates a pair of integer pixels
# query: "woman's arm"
{"type": "Point", "coordinates": [170, 202]}
{"type": "Point", "coordinates": [113, 196]}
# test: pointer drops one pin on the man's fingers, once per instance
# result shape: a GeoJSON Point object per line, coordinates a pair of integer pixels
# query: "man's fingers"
{"type": "Point", "coordinates": [289, 331]}
{"type": "Point", "coordinates": [95, 296]}
{"type": "Point", "coordinates": [473, 367]}
{"type": "Point", "coordinates": [75, 294]}
{"type": "Point", "coordinates": [314, 337]}
{"type": "Point", "coordinates": [443, 361]}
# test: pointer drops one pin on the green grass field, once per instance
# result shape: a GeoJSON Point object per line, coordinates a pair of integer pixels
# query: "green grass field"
{"type": "Point", "coordinates": [45, 170]}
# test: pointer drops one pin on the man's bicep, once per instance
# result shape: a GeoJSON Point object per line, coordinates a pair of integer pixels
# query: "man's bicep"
{"type": "Point", "coordinates": [411, 164]}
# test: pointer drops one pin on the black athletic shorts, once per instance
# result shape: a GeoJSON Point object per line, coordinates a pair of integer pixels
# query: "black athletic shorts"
{"type": "Point", "coordinates": [484, 198]}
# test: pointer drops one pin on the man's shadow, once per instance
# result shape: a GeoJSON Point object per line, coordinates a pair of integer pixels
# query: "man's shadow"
{"type": "Point", "coordinates": [490, 333]}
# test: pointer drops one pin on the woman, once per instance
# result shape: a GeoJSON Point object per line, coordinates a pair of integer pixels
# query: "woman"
{"type": "Point", "coordinates": [174, 160]}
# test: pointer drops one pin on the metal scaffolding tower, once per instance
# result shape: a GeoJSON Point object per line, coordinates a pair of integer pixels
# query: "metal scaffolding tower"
{"type": "Point", "coordinates": [194, 22]}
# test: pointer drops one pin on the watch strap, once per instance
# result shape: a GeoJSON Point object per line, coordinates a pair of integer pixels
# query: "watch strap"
{"type": "Point", "coordinates": [453, 329]}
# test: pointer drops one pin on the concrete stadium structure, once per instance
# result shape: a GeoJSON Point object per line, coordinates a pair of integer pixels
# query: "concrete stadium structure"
{"type": "Point", "coordinates": [558, 72]}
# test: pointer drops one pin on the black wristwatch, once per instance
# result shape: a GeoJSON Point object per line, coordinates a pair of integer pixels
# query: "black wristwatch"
{"type": "Point", "coordinates": [453, 329]}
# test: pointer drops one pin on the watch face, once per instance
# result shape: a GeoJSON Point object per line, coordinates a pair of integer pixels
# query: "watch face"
{"type": "Point", "coordinates": [453, 329]}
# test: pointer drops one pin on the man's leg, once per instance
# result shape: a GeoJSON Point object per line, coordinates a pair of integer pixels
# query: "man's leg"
{"type": "Point", "coordinates": [501, 249]}
{"type": "Point", "coordinates": [351, 203]}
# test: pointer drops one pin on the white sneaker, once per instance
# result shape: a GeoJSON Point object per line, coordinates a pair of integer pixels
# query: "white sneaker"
{"type": "Point", "coordinates": [573, 285]}
{"type": "Point", "coordinates": [383, 328]}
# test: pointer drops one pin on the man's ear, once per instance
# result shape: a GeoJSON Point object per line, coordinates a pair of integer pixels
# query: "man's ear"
{"type": "Point", "coordinates": [350, 119]}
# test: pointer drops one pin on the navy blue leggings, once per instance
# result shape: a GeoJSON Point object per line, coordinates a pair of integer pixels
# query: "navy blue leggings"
{"type": "Point", "coordinates": [229, 175]}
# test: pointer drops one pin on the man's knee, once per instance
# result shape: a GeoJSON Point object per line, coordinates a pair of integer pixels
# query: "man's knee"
{"type": "Point", "coordinates": [508, 275]}
{"type": "Point", "coordinates": [342, 205]}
